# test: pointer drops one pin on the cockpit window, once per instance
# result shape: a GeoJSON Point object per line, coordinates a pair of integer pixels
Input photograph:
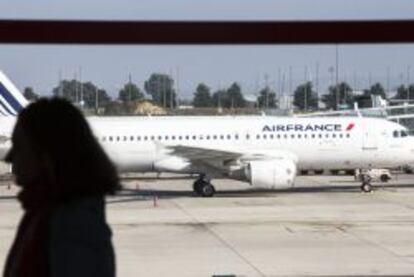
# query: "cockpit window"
{"type": "Point", "coordinates": [400, 133]}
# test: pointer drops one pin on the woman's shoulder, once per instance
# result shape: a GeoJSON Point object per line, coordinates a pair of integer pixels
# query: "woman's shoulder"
{"type": "Point", "coordinates": [80, 240]}
{"type": "Point", "coordinates": [82, 217]}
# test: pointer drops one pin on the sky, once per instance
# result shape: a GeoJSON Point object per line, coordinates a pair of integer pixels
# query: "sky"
{"type": "Point", "coordinates": [217, 66]}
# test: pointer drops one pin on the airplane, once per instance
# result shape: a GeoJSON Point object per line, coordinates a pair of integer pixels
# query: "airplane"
{"type": "Point", "coordinates": [265, 151]}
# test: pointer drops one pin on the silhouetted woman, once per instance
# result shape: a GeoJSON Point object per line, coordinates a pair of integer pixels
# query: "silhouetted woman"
{"type": "Point", "coordinates": [64, 175]}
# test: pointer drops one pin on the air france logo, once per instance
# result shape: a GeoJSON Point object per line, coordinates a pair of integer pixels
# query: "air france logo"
{"type": "Point", "coordinates": [307, 127]}
{"type": "Point", "coordinates": [350, 126]}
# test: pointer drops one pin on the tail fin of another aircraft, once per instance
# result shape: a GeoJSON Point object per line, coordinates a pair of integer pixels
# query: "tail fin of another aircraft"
{"type": "Point", "coordinates": [11, 99]}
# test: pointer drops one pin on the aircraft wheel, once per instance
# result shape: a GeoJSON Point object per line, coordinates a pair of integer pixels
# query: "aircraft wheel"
{"type": "Point", "coordinates": [366, 187]}
{"type": "Point", "coordinates": [198, 184]}
{"type": "Point", "coordinates": [384, 178]}
{"type": "Point", "coordinates": [207, 190]}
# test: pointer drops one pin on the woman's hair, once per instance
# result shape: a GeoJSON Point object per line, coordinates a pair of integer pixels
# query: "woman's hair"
{"type": "Point", "coordinates": [58, 130]}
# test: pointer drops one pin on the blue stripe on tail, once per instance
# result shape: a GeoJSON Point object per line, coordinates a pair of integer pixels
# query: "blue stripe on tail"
{"type": "Point", "coordinates": [11, 100]}
{"type": "Point", "coordinates": [7, 109]}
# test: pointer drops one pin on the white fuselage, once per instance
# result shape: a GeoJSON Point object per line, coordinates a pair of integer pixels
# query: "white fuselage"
{"type": "Point", "coordinates": [137, 143]}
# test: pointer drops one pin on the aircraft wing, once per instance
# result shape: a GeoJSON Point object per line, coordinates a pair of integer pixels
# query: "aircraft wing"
{"type": "Point", "coordinates": [203, 154]}
{"type": "Point", "coordinates": [195, 153]}
{"type": "Point", "coordinates": [218, 161]}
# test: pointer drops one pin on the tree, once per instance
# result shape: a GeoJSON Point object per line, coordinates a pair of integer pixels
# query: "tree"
{"type": "Point", "coordinates": [235, 97]}
{"type": "Point", "coordinates": [219, 97]}
{"type": "Point", "coordinates": [305, 98]}
{"type": "Point", "coordinates": [94, 96]}
{"type": "Point", "coordinates": [87, 93]}
{"type": "Point", "coordinates": [68, 89]}
{"type": "Point", "coordinates": [365, 100]}
{"type": "Point", "coordinates": [341, 94]}
{"type": "Point", "coordinates": [403, 93]}
{"type": "Point", "coordinates": [29, 94]}
{"type": "Point", "coordinates": [267, 98]}
{"type": "Point", "coordinates": [161, 88]}
{"type": "Point", "coordinates": [229, 98]}
{"type": "Point", "coordinates": [376, 89]}
{"type": "Point", "coordinates": [130, 92]}
{"type": "Point", "coordinates": [202, 96]}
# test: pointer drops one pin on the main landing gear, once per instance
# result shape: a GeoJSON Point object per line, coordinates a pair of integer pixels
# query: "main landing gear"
{"type": "Point", "coordinates": [203, 187]}
{"type": "Point", "coordinates": [366, 183]}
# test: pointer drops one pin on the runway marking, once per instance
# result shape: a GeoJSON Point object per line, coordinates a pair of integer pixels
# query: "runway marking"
{"type": "Point", "coordinates": [374, 244]}
{"type": "Point", "coordinates": [219, 238]}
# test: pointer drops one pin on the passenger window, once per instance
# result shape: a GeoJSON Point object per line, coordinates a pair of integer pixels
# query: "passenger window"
{"type": "Point", "coordinates": [285, 136]}
{"type": "Point", "coordinates": [138, 137]}
{"type": "Point", "coordinates": [396, 134]}
{"type": "Point", "coordinates": [320, 135]}
{"type": "Point", "coordinates": [214, 137]}
{"type": "Point", "coordinates": [201, 137]}
{"type": "Point", "coordinates": [228, 136]}
{"type": "Point", "coordinates": [271, 136]}
{"type": "Point", "coordinates": [326, 135]}
{"type": "Point", "coordinates": [152, 137]}
{"type": "Point", "coordinates": [247, 136]}
{"type": "Point", "coordinates": [333, 135]}
{"type": "Point", "coordinates": [125, 138]}
{"type": "Point", "coordinates": [187, 137]}
{"type": "Point", "coordinates": [299, 136]}
{"type": "Point", "coordinates": [341, 135]}
{"type": "Point", "coordinates": [110, 138]}
{"type": "Point", "coordinates": [236, 136]}
{"type": "Point", "coordinates": [117, 138]}
{"type": "Point", "coordinates": [264, 136]}
{"type": "Point", "coordinates": [305, 136]}
{"type": "Point", "coordinates": [166, 137]}
{"type": "Point", "coordinates": [313, 135]}
{"type": "Point", "coordinates": [180, 137]}
{"type": "Point", "coordinates": [257, 136]}
{"type": "Point", "coordinates": [159, 137]}
{"type": "Point", "coordinates": [348, 135]}
{"type": "Point", "coordinates": [207, 137]}
{"type": "Point", "coordinates": [278, 136]}
{"type": "Point", "coordinates": [103, 138]}
{"type": "Point", "coordinates": [194, 137]}
{"type": "Point", "coordinates": [221, 137]}
{"type": "Point", "coordinates": [292, 136]}
{"type": "Point", "coordinates": [131, 138]}
{"type": "Point", "coordinates": [145, 138]}
{"type": "Point", "coordinates": [173, 137]}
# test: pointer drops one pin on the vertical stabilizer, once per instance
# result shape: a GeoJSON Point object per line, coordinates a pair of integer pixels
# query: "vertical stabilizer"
{"type": "Point", "coordinates": [11, 99]}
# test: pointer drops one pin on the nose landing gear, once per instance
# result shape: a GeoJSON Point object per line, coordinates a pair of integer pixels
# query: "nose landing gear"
{"type": "Point", "coordinates": [366, 187]}
{"type": "Point", "coordinates": [366, 183]}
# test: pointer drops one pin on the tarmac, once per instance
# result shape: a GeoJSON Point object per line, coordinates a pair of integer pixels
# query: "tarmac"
{"type": "Point", "coordinates": [324, 226]}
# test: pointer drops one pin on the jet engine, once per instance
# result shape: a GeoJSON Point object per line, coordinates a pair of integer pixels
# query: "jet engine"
{"type": "Point", "coordinates": [271, 173]}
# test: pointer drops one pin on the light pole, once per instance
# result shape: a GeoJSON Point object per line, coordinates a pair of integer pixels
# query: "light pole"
{"type": "Point", "coordinates": [266, 90]}
{"type": "Point", "coordinates": [337, 75]}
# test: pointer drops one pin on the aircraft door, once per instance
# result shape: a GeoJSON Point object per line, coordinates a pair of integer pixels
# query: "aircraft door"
{"type": "Point", "coordinates": [370, 138]}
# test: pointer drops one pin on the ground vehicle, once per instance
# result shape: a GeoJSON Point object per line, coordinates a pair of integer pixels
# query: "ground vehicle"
{"type": "Point", "coordinates": [409, 168]}
{"type": "Point", "coordinates": [382, 175]}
